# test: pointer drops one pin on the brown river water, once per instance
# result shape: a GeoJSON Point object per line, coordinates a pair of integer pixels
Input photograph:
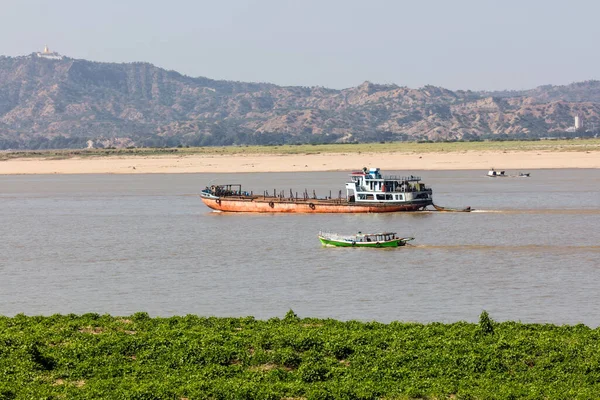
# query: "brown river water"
{"type": "Point", "coordinates": [119, 244]}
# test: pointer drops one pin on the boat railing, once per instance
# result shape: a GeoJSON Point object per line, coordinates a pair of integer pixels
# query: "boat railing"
{"type": "Point", "coordinates": [283, 197]}
{"type": "Point", "coordinates": [411, 178]}
{"type": "Point", "coordinates": [412, 190]}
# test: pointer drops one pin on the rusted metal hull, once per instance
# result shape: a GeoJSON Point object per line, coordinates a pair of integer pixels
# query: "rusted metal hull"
{"type": "Point", "coordinates": [272, 205]}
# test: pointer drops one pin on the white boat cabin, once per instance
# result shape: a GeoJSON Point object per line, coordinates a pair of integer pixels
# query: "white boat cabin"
{"type": "Point", "coordinates": [493, 173]}
{"type": "Point", "coordinates": [360, 237]}
{"type": "Point", "coordinates": [375, 237]}
{"type": "Point", "coordinates": [369, 185]}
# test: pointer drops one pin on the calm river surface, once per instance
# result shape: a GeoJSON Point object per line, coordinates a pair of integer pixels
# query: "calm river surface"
{"type": "Point", "coordinates": [120, 244]}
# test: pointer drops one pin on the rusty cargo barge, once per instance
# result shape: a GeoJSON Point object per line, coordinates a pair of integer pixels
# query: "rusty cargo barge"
{"type": "Point", "coordinates": [367, 191]}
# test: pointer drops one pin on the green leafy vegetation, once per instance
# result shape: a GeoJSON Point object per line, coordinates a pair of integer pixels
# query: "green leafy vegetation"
{"type": "Point", "coordinates": [191, 357]}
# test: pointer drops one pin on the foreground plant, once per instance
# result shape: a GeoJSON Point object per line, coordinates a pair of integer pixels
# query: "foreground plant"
{"type": "Point", "coordinates": [139, 357]}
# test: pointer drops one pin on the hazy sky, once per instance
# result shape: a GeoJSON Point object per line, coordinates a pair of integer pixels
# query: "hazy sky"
{"type": "Point", "coordinates": [457, 44]}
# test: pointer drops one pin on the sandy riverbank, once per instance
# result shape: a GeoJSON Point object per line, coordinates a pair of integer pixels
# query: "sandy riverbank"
{"type": "Point", "coordinates": [476, 160]}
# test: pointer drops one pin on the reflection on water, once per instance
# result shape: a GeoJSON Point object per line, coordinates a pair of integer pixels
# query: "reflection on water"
{"type": "Point", "coordinates": [125, 243]}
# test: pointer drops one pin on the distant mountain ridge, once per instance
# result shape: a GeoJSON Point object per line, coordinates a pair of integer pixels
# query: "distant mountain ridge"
{"type": "Point", "coordinates": [72, 103]}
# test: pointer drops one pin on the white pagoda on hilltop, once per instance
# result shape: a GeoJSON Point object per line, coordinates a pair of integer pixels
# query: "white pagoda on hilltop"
{"type": "Point", "coordinates": [51, 55]}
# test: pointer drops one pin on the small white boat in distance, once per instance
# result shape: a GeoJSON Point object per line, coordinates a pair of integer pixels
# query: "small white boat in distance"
{"type": "Point", "coordinates": [492, 173]}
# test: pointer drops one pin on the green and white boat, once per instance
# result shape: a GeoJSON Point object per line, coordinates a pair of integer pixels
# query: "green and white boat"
{"type": "Point", "coordinates": [378, 240]}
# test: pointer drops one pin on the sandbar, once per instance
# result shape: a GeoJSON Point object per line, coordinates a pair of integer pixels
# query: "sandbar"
{"type": "Point", "coordinates": [241, 163]}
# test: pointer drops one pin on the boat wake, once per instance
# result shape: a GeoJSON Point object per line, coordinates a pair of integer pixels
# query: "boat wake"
{"type": "Point", "coordinates": [543, 211]}
{"type": "Point", "coordinates": [513, 248]}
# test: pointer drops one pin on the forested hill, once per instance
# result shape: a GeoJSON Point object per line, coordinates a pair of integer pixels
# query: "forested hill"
{"type": "Point", "coordinates": [75, 103]}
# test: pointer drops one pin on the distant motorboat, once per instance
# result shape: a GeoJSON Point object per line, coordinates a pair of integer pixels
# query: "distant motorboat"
{"type": "Point", "coordinates": [492, 173]}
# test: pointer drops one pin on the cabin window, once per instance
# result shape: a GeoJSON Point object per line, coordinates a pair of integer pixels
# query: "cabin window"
{"type": "Point", "coordinates": [381, 197]}
{"type": "Point", "coordinates": [399, 197]}
{"type": "Point", "coordinates": [389, 197]}
{"type": "Point", "coordinates": [370, 197]}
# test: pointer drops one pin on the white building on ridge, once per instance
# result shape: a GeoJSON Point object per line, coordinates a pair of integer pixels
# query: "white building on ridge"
{"type": "Point", "coordinates": [51, 55]}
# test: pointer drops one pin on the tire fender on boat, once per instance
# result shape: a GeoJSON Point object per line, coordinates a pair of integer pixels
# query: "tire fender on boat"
{"type": "Point", "coordinates": [353, 243]}
{"type": "Point", "coordinates": [377, 244]}
{"type": "Point", "coordinates": [311, 206]}
{"type": "Point", "coordinates": [218, 201]}
{"type": "Point", "coordinates": [271, 204]}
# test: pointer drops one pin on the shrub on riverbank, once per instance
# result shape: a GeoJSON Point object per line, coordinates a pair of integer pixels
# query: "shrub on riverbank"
{"type": "Point", "coordinates": [138, 357]}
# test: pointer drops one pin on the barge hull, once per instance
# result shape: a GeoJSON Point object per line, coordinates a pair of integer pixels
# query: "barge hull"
{"type": "Point", "coordinates": [307, 207]}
